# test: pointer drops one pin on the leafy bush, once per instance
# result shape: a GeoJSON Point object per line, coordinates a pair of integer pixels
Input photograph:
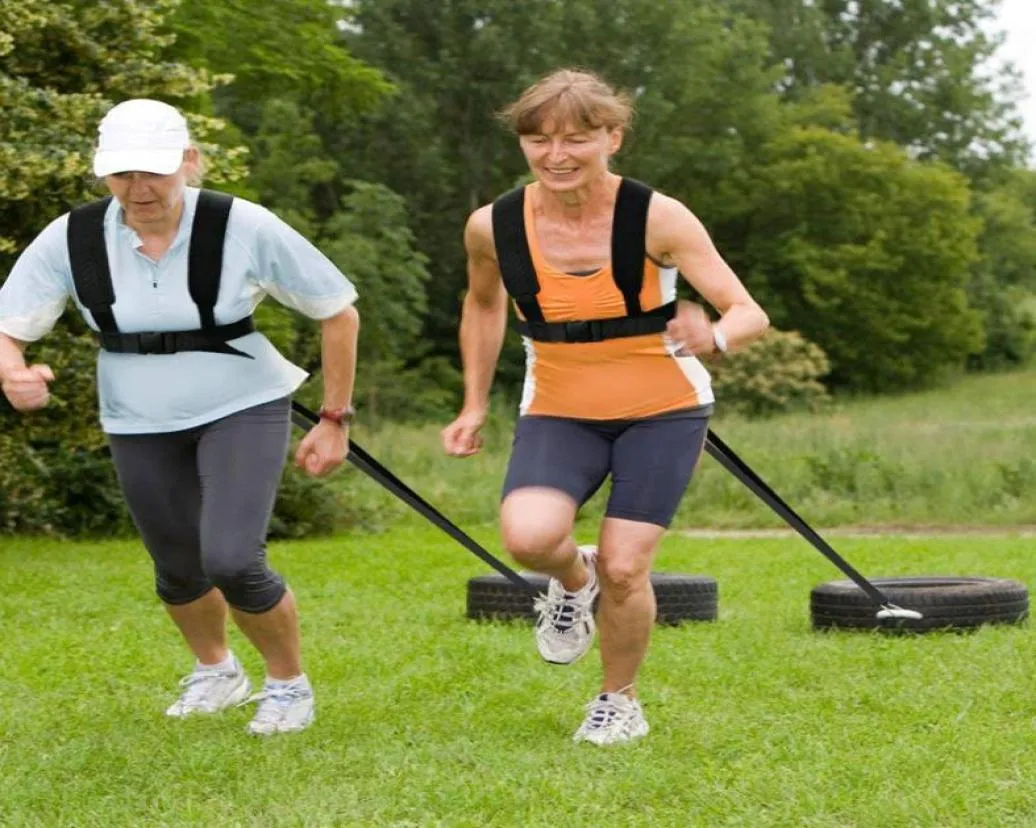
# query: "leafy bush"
{"type": "Point", "coordinates": [1010, 324]}
{"type": "Point", "coordinates": [45, 489]}
{"type": "Point", "coordinates": [779, 372]}
{"type": "Point", "coordinates": [305, 507]}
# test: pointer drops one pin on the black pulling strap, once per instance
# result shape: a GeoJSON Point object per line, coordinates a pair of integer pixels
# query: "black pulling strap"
{"type": "Point", "coordinates": [306, 419]}
{"type": "Point", "coordinates": [726, 457]}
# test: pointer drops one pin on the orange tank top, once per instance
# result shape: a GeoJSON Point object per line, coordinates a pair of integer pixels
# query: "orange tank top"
{"type": "Point", "coordinates": [627, 378]}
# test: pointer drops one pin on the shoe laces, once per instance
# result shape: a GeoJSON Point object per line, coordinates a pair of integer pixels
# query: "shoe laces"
{"type": "Point", "coordinates": [273, 700]}
{"type": "Point", "coordinates": [605, 711]}
{"type": "Point", "coordinates": [560, 609]}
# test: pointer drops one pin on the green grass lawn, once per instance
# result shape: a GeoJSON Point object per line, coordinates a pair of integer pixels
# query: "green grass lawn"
{"type": "Point", "coordinates": [427, 719]}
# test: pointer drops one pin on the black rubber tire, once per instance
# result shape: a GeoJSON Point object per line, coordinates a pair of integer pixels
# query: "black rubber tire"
{"type": "Point", "coordinates": [680, 597]}
{"type": "Point", "coordinates": [946, 602]}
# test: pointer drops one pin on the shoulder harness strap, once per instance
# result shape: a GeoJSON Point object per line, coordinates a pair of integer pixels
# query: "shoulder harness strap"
{"type": "Point", "coordinates": [89, 257]}
{"type": "Point", "coordinates": [205, 259]}
{"type": "Point", "coordinates": [629, 241]}
{"type": "Point", "coordinates": [512, 252]}
{"type": "Point", "coordinates": [628, 251]}
{"type": "Point", "coordinates": [93, 282]}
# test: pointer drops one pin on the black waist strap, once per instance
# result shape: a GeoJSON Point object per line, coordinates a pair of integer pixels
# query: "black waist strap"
{"type": "Point", "coordinates": [171, 342]}
{"type": "Point", "coordinates": [597, 330]}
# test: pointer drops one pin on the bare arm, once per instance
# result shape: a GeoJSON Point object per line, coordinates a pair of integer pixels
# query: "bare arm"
{"type": "Point", "coordinates": [338, 336]}
{"type": "Point", "coordinates": [482, 328]}
{"type": "Point", "coordinates": [326, 445]}
{"type": "Point", "coordinates": [484, 313]}
{"type": "Point", "coordinates": [677, 237]}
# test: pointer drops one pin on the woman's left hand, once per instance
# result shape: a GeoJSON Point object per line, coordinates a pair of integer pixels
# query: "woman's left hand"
{"type": "Point", "coordinates": [323, 449]}
{"type": "Point", "coordinates": [691, 329]}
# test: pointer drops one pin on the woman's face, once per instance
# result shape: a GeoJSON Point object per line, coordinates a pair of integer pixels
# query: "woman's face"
{"type": "Point", "coordinates": [149, 198]}
{"type": "Point", "coordinates": [566, 157]}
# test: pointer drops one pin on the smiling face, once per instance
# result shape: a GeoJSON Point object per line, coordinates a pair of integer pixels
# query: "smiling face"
{"type": "Point", "coordinates": [566, 157]}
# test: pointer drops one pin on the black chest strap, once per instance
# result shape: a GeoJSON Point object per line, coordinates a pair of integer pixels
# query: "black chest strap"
{"type": "Point", "coordinates": [628, 252]}
{"type": "Point", "coordinates": [91, 275]}
{"type": "Point", "coordinates": [598, 330]}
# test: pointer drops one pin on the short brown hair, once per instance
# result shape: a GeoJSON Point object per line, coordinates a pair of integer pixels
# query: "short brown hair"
{"type": "Point", "coordinates": [573, 96]}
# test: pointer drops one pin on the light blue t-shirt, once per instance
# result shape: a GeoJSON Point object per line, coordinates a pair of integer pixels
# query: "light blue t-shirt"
{"type": "Point", "coordinates": [170, 392]}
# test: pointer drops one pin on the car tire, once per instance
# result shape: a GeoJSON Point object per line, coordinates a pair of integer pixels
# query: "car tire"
{"type": "Point", "coordinates": [679, 597]}
{"type": "Point", "coordinates": [945, 602]}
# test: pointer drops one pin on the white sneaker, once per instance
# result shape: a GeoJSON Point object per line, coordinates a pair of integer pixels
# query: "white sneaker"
{"type": "Point", "coordinates": [283, 708]}
{"type": "Point", "coordinates": [612, 718]}
{"type": "Point", "coordinates": [209, 690]}
{"type": "Point", "coordinates": [565, 627]}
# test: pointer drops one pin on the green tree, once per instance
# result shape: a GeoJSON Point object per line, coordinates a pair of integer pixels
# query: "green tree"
{"type": "Point", "coordinates": [455, 62]}
{"type": "Point", "coordinates": [920, 71]}
{"type": "Point", "coordinates": [1004, 278]}
{"type": "Point", "coordinates": [291, 170]}
{"type": "Point", "coordinates": [371, 240]}
{"type": "Point", "coordinates": [287, 49]}
{"type": "Point", "coordinates": [1008, 239]}
{"type": "Point", "coordinates": [367, 234]}
{"type": "Point", "coordinates": [62, 64]}
{"type": "Point", "coordinates": [865, 252]}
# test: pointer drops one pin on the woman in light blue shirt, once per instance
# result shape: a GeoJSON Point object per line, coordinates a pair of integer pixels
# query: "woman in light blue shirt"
{"type": "Point", "coordinates": [194, 401]}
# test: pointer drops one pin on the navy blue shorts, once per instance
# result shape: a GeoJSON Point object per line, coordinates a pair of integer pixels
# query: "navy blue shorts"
{"type": "Point", "coordinates": [650, 461]}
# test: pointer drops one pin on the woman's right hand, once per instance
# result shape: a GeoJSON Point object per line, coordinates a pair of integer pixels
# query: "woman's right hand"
{"type": "Point", "coordinates": [461, 438]}
{"type": "Point", "coordinates": [26, 388]}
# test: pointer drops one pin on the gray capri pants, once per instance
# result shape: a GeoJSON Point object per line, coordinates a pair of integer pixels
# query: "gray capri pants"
{"type": "Point", "coordinates": [202, 500]}
{"type": "Point", "coordinates": [651, 460]}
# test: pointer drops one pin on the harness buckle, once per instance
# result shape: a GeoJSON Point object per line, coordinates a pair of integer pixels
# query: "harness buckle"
{"type": "Point", "coordinates": [577, 331]}
{"type": "Point", "coordinates": [151, 342]}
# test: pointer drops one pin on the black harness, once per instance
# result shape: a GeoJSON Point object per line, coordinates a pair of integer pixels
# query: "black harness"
{"type": "Point", "coordinates": [93, 281]}
{"type": "Point", "coordinates": [629, 249]}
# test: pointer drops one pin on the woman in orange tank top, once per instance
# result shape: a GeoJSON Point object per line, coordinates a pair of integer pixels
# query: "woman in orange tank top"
{"type": "Point", "coordinates": [613, 385]}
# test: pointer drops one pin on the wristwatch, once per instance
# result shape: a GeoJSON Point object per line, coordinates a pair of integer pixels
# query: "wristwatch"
{"type": "Point", "coordinates": [719, 339]}
{"type": "Point", "coordinates": [339, 416]}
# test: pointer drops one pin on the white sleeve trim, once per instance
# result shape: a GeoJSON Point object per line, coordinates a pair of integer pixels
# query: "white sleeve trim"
{"type": "Point", "coordinates": [315, 307]}
{"type": "Point", "coordinates": [36, 325]}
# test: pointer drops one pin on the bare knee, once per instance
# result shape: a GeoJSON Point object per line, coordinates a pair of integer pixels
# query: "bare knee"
{"type": "Point", "coordinates": [622, 578]}
{"type": "Point", "coordinates": [534, 523]}
{"type": "Point", "coordinates": [532, 546]}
